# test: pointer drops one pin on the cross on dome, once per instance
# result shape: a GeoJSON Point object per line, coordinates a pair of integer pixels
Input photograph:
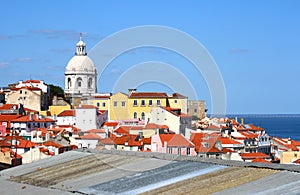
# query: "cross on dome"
{"type": "Point", "coordinates": [80, 47]}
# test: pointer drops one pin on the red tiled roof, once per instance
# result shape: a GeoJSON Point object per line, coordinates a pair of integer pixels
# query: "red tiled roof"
{"type": "Point", "coordinates": [286, 144]}
{"type": "Point", "coordinates": [148, 95]}
{"type": "Point", "coordinates": [26, 144]}
{"type": "Point", "coordinates": [175, 140]}
{"type": "Point", "coordinates": [96, 131]}
{"type": "Point", "coordinates": [249, 134]}
{"type": "Point", "coordinates": [35, 119]}
{"type": "Point", "coordinates": [8, 117]}
{"type": "Point", "coordinates": [101, 96]}
{"type": "Point", "coordinates": [46, 151]}
{"type": "Point", "coordinates": [145, 141]}
{"type": "Point", "coordinates": [177, 96]}
{"type": "Point", "coordinates": [91, 136]}
{"type": "Point", "coordinates": [297, 161]}
{"type": "Point", "coordinates": [254, 155]}
{"type": "Point", "coordinates": [10, 107]}
{"type": "Point", "coordinates": [28, 88]}
{"type": "Point", "coordinates": [254, 128]}
{"type": "Point", "coordinates": [32, 81]}
{"type": "Point", "coordinates": [125, 130]}
{"type": "Point", "coordinates": [111, 124]}
{"type": "Point", "coordinates": [227, 140]}
{"type": "Point", "coordinates": [53, 144]}
{"type": "Point", "coordinates": [213, 127]}
{"type": "Point", "coordinates": [260, 160]}
{"type": "Point", "coordinates": [67, 113]}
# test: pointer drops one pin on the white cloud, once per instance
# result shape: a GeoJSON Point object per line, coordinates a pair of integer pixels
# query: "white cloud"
{"type": "Point", "coordinates": [26, 59]}
{"type": "Point", "coordinates": [3, 64]}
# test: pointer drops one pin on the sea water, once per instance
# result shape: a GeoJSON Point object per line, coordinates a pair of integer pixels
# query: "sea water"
{"type": "Point", "coordinates": [280, 125]}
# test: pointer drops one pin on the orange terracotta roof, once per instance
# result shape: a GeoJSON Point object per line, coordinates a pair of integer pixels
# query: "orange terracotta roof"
{"type": "Point", "coordinates": [26, 144]}
{"type": "Point", "coordinates": [249, 134]}
{"type": "Point", "coordinates": [8, 117]}
{"type": "Point", "coordinates": [254, 128]}
{"type": "Point", "coordinates": [91, 136]}
{"type": "Point", "coordinates": [10, 107]}
{"type": "Point", "coordinates": [46, 151]}
{"type": "Point", "coordinates": [286, 144]}
{"type": "Point", "coordinates": [53, 144]}
{"type": "Point", "coordinates": [148, 95]}
{"type": "Point", "coordinates": [211, 149]}
{"type": "Point", "coordinates": [67, 113]}
{"type": "Point", "coordinates": [32, 81]}
{"type": "Point", "coordinates": [146, 140]}
{"type": "Point", "coordinates": [227, 140]}
{"type": "Point", "coordinates": [297, 161]}
{"type": "Point", "coordinates": [260, 160]}
{"type": "Point", "coordinates": [101, 96]}
{"type": "Point", "coordinates": [174, 140]}
{"type": "Point", "coordinates": [35, 119]}
{"type": "Point", "coordinates": [125, 130]}
{"type": "Point", "coordinates": [111, 124]}
{"type": "Point", "coordinates": [96, 131]}
{"type": "Point", "coordinates": [254, 155]}
{"type": "Point", "coordinates": [213, 127]}
{"type": "Point", "coordinates": [177, 96]}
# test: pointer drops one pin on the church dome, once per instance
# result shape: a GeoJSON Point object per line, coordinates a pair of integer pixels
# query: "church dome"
{"type": "Point", "coordinates": [80, 63]}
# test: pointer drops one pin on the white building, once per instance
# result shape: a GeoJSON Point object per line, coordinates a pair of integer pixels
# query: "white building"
{"type": "Point", "coordinates": [87, 117]}
{"type": "Point", "coordinates": [173, 118]}
{"type": "Point", "coordinates": [80, 76]}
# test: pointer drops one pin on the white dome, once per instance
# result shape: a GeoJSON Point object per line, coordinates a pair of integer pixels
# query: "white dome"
{"type": "Point", "coordinates": [80, 64]}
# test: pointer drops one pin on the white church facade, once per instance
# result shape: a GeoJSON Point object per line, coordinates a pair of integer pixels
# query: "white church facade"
{"type": "Point", "coordinates": [80, 76]}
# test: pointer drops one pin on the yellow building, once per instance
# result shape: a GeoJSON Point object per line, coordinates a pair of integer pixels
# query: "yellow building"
{"type": "Point", "coordinates": [141, 103]}
{"type": "Point", "coordinates": [119, 107]}
{"type": "Point", "coordinates": [101, 101]}
{"type": "Point", "coordinates": [177, 100]}
{"type": "Point", "coordinates": [138, 105]}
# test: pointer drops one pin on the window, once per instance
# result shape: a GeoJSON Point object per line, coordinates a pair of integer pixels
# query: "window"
{"type": "Point", "coordinates": [150, 103]}
{"type": "Point", "coordinates": [188, 151]}
{"type": "Point", "coordinates": [143, 116]}
{"type": "Point", "coordinates": [135, 103]}
{"type": "Point", "coordinates": [175, 101]}
{"type": "Point", "coordinates": [143, 103]}
{"type": "Point", "coordinates": [103, 104]}
{"type": "Point", "coordinates": [69, 83]}
{"type": "Point", "coordinates": [79, 82]}
{"type": "Point", "coordinates": [134, 115]}
{"type": "Point", "coordinates": [123, 103]}
{"type": "Point", "coordinates": [115, 103]}
{"type": "Point", "coordinates": [187, 110]}
{"type": "Point", "coordinates": [20, 91]}
{"type": "Point", "coordinates": [158, 102]}
{"type": "Point", "coordinates": [98, 104]}
{"type": "Point", "coordinates": [195, 110]}
{"type": "Point", "coordinates": [90, 83]}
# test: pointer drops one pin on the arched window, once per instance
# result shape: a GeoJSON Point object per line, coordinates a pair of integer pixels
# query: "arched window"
{"type": "Point", "coordinates": [69, 83]}
{"type": "Point", "coordinates": [143, 116]}
{"type": "Point", "coordinates": [79, 82]}
{"type": "Point", "coordinates": [90, 83]}
{"type": "Point", "coordinates": [134, 115]}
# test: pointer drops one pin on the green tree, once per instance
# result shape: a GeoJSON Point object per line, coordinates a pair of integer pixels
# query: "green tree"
{"type": "Point", "coordinates": [55, 91]}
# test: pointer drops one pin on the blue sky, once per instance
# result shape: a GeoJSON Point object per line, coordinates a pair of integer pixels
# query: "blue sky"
{"type": "Point", "coordinates": [255, 44]}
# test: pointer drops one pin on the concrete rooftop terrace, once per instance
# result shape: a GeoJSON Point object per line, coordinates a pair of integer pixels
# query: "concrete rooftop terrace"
{"type": "Point", "coordinates": [120, 172]}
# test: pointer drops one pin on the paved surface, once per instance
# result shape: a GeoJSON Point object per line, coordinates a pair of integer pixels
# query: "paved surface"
{"type": "Point", "coordinates": [282, 182]}
{"type": "Point", "coordinates": [132, 173]}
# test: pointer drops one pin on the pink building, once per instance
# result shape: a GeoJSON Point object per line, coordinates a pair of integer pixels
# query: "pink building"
{"type": "Point", "coordinates": [172, 144]}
